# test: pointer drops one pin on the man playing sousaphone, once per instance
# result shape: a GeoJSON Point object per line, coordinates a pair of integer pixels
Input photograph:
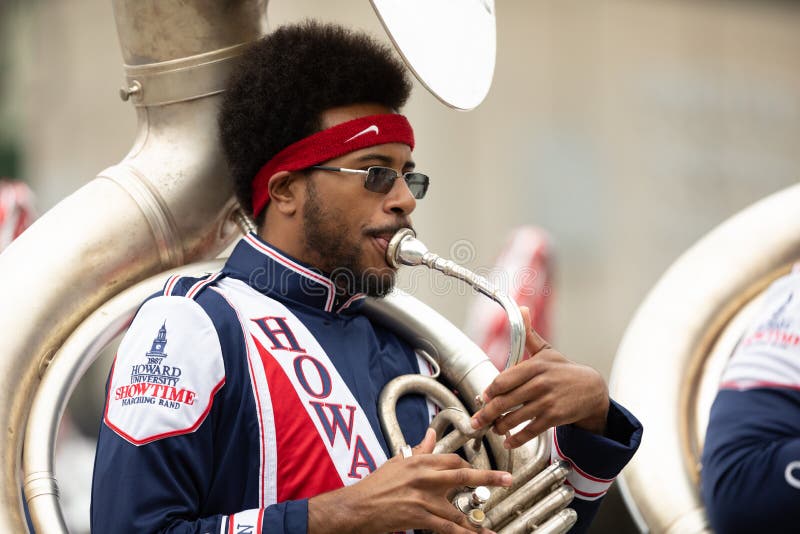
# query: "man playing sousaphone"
{"type": "Point", "coordinates": [246, 401]}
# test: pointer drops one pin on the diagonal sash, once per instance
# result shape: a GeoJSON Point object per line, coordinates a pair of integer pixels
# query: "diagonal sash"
{"type": "Point", "coordinates": [337, 421]}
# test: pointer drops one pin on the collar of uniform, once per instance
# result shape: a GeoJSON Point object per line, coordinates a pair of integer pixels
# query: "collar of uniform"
{"type": "Point", "coordinates": [276, 274]}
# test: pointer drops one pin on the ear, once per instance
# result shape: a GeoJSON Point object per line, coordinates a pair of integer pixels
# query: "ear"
{"type": "Point", "coordinates": [284, 191]}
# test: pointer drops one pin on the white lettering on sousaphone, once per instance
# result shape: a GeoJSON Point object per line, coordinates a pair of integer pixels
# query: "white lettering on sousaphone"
{"type": "Point", "coordinates": [336, 419]}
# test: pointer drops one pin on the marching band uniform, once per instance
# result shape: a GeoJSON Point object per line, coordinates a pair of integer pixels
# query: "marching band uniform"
{"type": "Point", "coordinates": [236, 397]}
{"type": "Point", "coordinates": [751, 457]}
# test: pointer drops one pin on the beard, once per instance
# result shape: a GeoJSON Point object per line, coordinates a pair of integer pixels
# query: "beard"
{"type": "Point", "coordinates": [339, 254]}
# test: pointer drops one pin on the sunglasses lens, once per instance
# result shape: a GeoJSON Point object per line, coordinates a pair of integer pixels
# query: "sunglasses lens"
{"type": "Point", "coordinates": [380, 179]}
{"type": "Point", "coordinates": [417, 183]}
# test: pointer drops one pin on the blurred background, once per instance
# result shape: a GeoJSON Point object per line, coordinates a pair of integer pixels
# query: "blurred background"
{"type": "Point", "coordinates": [626, 129]}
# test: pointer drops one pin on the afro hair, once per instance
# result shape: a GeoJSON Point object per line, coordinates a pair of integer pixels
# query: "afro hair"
{"type": "Point", "coordinates": [287, 79]}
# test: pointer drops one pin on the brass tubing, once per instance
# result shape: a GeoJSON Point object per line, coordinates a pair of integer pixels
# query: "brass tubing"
{"type": "Point", "coordinates": [530, 520]}
{"type": "Point", "coordinates": [462, 436]}
{"type": "Point", "coordinates": [441, 423]}
{"type": "Point", "coordinates": [405, 249]}
{"type": "Point", "coordinates": [559, 523]}
{"type": "Point", "coordinates": [404, 385]}
{"type": "Point", "coordinates": [519, 500]}
{"type": "Point", "coordinates": [522, 473]}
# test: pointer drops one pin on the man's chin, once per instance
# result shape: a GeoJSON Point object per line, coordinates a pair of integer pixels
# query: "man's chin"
{"type": "Point", "coordinates": [374, 282]}
{"type": "Point", "coordinates": [379, 282]}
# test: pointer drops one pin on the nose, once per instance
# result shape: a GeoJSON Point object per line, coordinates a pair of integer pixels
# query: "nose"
{"type": "Point", "coordinates": [400, 200]}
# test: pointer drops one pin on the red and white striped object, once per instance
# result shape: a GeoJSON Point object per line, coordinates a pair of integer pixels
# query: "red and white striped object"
{"type": "Point", "coordinates": [16, 210]}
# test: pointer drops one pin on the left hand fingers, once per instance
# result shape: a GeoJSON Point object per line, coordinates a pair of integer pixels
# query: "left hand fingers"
{"type": "Point", "coordinates": [558, 392]}
{"type": "Point", "coordinates": [515, 378]}
{"type": "Point", "coordinates": [523, 390]}
{"type": "Point", "coordinates": [523, 372]}
{"type": "Point", "coordinates": [547, 410]}
{"type": "Point", "coordinates": [530, 431]}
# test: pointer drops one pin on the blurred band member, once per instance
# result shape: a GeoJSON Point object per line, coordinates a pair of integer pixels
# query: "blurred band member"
{"type": "Point", "coordinates": [751, 457]}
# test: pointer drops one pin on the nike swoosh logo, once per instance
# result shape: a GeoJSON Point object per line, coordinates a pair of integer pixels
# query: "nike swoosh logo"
{"type": "Point", "coordinates": [372, 128]}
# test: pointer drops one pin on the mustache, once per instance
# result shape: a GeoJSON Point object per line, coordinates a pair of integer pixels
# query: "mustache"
{"type": "Point", "coordinates": [388, 229]}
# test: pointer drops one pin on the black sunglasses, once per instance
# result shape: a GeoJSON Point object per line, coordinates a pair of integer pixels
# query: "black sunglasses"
{"type": "Point", "coordinates": [381, 179]}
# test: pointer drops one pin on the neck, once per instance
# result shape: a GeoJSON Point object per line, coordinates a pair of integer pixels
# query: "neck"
{"type": "Point", "coordinates": [294, 247]}
{"type": "Point", "coordinates": [279, 232]}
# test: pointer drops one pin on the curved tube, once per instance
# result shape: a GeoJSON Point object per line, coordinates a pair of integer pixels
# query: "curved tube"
{"type": "Point", "coordinates": [554, 475]}
{"type": "Point", "coordinates": [530, 520]}
{"type": "Point", "coordinates": [464, 366]}
{"type": "Point", "coordinates": [462, 436]}
{"type": "Point", "coordinates": [403, 385]}
{"type": "Point", "coordinates": [405, 249]}
{"type": "Point", "coordinates": [672, 336]}
{"type": "Point", "coordinates": [561, 522]}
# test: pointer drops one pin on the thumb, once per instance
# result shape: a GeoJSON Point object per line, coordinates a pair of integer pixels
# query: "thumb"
{"type": "Point", "coordinates": [427, 444]}
{"type": "Point", "coordinates": [526, 316]}
{"type": "Point", "coordinates": [533, 341]}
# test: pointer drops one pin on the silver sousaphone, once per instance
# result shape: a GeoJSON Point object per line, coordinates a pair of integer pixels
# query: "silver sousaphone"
{"type": "Point", "coordinates": [670, 361]}
{"type": "Point", "coordinates": [81, 270]}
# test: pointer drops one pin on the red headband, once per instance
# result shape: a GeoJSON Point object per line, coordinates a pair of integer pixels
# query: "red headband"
{"type": "Point", "coordinates": [331, 143]}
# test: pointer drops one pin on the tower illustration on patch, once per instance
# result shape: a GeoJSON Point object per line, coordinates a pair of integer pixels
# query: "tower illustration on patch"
{"type": "Point", "coordinates": [778, 319]}
{"type": "Point", "coordinates": [154, 371]}
{"type": "Point", "coordinates": [154, 382]}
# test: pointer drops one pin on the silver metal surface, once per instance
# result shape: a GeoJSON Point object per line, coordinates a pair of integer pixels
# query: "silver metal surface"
{"type": "Point", "coordinates": [523, 473]}
{"type": "Point", "coordinates": [127, 92]}
{"type": "Point", "coordinates": [471, 504]}
{"type": "Point", "coordinates": [462, 436]}
{"type": "Point", "coordinates": [541, 512]}
{"type": "Point", "coordinates": [522, 499]}
{"type": "Point", "coordinates": [450, 46]}
{"type": "Point", "coordinates": [155, 31]}
{"type": "Point", "coordinates": [405, 249]}
{"type": "Point", "coordinates": [179, 80]}
{"type": "Point", "coordinates": [479, 496]}
{"type": "Point", "coordinates": [403, 385]}
{"type": "Point", "coordinates": [683, 334]}
{"type": "Point", "coordinates": [167, 202]}
{"type": "Point", "coordinates": [559, 523]}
